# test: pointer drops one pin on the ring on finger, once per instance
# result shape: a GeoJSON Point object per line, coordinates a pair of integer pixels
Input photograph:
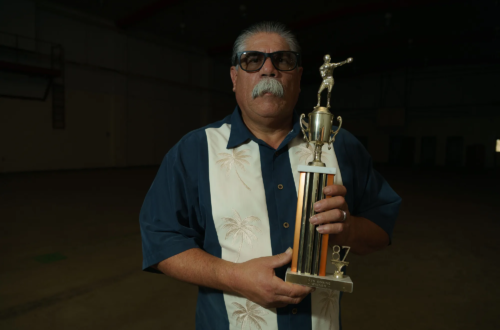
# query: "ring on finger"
{"type": "Point", "coordinates": [345, 215]}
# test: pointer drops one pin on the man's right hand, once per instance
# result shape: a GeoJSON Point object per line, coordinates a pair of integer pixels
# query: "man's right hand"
{"type": "Point", "coordinates": [256, 280]}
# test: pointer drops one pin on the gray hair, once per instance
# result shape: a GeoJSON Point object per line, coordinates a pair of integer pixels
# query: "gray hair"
{"type": "Point", "coordinates": [264, 27]}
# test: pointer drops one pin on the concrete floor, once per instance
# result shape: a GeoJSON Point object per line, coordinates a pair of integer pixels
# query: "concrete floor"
{"type": "Point", "coordinates": [71, 255]}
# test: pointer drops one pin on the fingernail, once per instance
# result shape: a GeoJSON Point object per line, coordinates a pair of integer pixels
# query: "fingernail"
{"type": "Point", "coordinates": [317, 206]}
{"type": "Point", "coordinates": [289, 250]}
{"type": "Point", "coordinates": [314, 219]}
{"type": "Point", "coordinates": [320, 229]}
{"type": "Point", "coordinates": [327, 190]}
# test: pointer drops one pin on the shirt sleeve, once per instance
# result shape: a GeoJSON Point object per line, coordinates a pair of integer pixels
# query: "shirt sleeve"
{"type": "Point", "coordinates": [170, 214]}
{"type": "Point", "coordinates": [373, 197]}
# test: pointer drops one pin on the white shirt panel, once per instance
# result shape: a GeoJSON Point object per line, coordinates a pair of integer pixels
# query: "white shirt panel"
{"type": "Point", "coordinates": [240, 216]}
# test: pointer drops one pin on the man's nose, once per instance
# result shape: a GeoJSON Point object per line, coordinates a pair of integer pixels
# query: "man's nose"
{"type": "Point", "coordinates": [268, 68]}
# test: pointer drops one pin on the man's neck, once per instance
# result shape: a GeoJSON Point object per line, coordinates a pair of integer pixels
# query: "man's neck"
{"type": "Point", "coordinates": [270, 130]}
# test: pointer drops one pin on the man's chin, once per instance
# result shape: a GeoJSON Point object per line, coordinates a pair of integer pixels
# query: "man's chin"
{"type": "Point", "coordinates": [269, 107]}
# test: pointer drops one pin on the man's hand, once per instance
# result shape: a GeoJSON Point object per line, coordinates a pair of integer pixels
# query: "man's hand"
{"type": "Point", "coordinates": [362, 235]}
{"type": "Point", "coordinates": [256, 280]}
{"type": "Point", "coordinates": [330, 213]}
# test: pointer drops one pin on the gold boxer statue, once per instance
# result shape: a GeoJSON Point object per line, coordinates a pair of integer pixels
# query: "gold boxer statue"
{"type": "Point", "coordinates": [326, 71]}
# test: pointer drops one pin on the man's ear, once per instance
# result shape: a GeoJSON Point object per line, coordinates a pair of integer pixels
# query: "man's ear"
{"type": "Point", "coordinates": [234, 76]}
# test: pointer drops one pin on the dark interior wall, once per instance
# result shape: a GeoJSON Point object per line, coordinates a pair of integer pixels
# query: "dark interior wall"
{"type": "Point", "coordinates": [398, 113]}
{"type": "Point", "coordinates": [128, 99]}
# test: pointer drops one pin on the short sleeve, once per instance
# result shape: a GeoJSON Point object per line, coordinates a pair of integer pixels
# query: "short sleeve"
{"type": "Point", "coordinates": [170, 214]}
{"type": "Point", "coordinates": [373, 198]}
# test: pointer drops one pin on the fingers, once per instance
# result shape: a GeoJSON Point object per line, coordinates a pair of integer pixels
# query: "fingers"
{"type": "Point", "coordinates": [337, 202]}
{"type": "Point", "coordinates": [335, 190]}
{"type": "Point", "coordinates": [281, 259]}
{"type": "Point", "coordinates": [331, 228]}
{"type": "Point", "coordinates": [291, 290]}
{"type": "Point", "coordinates": [272, 291]}
{"type": "Point", "coordinates": [335, 215]}
{"type": "Point", "coordinates": [330, 214]}
{"type": "Point", "coordinates": [282, 301]}
{"type": "Point", "coordinates": [281, 294]}
{"type": "Point", "coordinates": [290, 293]}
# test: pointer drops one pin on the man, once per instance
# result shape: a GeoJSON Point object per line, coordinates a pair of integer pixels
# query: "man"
{"type": "Point", "coordinates": [220, 213]}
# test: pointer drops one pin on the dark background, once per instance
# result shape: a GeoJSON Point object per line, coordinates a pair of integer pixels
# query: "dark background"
{"type": "Point", "coordinates": [93, 93]}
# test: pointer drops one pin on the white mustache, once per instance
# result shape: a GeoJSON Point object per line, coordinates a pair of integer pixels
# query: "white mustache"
{"type": "Point", "coordinates": [268, 85]}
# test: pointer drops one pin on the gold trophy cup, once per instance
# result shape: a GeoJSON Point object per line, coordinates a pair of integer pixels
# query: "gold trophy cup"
{"type": "Point", "coordinates": [310, 248]}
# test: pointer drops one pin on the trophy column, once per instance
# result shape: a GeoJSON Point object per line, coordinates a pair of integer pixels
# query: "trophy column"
{"type": "Point", "coordinates": [310, 247]}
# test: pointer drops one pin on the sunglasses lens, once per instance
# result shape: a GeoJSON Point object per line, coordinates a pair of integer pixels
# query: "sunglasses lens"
{"type": "Point", "coordinates": [285, 61]}
{"type": "Point", "coordinates": [251, 61]}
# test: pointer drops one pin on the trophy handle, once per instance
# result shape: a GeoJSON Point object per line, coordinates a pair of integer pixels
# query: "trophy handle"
{"type": "Point", "coordinates": [332, 138]}
{"type": "Point", "coordinates": [304, 128]}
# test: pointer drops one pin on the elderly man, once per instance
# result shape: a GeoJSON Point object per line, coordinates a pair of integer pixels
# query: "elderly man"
{"type": "Point", "coordinates": [220, 213]}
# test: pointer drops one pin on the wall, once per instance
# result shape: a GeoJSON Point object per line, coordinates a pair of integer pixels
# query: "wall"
{"type": "Point", "coordinates": [434, 101]}
{"type": "Point", "coordinates": [129, 98]}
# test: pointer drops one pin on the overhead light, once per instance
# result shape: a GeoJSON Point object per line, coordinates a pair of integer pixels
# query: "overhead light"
{"type": "Point", "coordinates": [498, 145]}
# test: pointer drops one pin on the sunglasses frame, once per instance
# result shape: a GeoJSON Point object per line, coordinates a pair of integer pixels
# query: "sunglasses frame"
{"type": "Point", "coordinates": [237, 60]}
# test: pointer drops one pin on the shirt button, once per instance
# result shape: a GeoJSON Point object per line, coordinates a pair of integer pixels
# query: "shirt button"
{"type": "Point", "coordinates": [280, 186]}
{"type": "Point", "coordinates": [294, 311]}
{"type": "Point", "coordinates": [286, 225]}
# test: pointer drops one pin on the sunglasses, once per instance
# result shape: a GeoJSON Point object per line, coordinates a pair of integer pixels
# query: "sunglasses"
{"type": "Point", "coordinates": [252, 61]}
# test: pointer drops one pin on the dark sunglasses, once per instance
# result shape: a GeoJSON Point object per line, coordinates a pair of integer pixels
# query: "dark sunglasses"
{"type": "Point", "coordinates": [252, 61]}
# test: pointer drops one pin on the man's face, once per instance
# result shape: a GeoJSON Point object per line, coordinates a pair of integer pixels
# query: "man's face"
{"type": "Point", "coordinates": [268, 106]}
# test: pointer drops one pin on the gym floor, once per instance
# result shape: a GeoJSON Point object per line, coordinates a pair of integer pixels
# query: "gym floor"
{"type": "Point", "coordinates": [70, 247]}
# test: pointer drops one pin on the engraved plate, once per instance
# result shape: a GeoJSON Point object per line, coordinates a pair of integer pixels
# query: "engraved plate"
{"type": "Point", "coordinates": [325, 282]}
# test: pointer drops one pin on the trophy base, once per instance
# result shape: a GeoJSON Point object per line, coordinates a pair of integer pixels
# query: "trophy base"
{"type": "Point", "coordinates": [324, 282]}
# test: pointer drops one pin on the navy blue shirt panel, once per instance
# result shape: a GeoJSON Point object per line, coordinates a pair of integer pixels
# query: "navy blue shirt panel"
{"type": "Point", "coordinates": [368, 194]}
{"type": "Point", "coordinates": [177, 207]}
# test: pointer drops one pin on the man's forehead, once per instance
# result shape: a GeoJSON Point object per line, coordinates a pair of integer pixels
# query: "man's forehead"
{"type": "Point", "coordinates": [266, 42]}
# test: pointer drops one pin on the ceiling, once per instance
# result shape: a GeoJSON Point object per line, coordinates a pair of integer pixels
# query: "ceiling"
{"type": "Point", "coordinates": [380, 35]}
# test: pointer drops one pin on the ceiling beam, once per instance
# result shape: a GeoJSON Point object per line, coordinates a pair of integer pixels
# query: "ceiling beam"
{"type": "Point", "coordinates": [144, 13]}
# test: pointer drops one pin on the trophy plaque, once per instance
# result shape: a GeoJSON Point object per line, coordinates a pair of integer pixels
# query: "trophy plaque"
{"type": "Point", "coordinates": [310, 248]}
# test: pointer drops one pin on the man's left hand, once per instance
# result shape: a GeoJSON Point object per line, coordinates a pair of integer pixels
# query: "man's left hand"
{"type": "Point", "coordinates": [332, 214]}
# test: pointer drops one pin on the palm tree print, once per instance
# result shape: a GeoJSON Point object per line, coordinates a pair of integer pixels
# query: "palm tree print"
{"type": "Point", "coordinates": [241, 228]}
{"type": "Point", "coordinates": [305, 154]}
{"type": "Point", "coordinates": [236, 158]}
{"type": "Point", "coordinates": [328, 300]}
{"type": "Point", "coordinates": [250, 315]}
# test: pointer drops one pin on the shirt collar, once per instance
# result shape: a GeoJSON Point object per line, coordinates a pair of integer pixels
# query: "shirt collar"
{"type": "Point", "coordinates": [240, 133]}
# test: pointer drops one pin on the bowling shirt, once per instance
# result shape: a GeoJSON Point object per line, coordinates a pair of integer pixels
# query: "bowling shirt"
{"type": "Point", "coordinates": [223, 190]}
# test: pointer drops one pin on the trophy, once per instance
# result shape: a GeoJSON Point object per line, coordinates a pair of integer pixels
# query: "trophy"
{"type": "Point", "coordinates": [310, 248]}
